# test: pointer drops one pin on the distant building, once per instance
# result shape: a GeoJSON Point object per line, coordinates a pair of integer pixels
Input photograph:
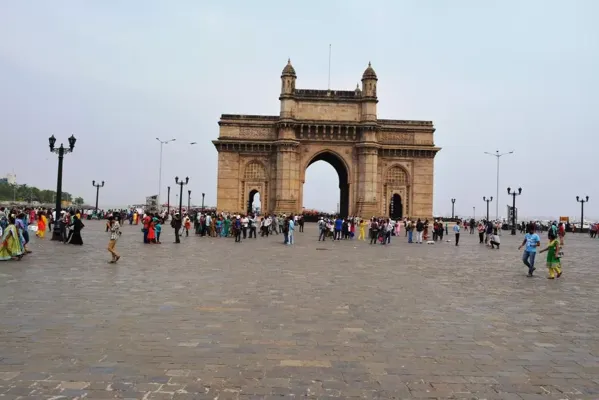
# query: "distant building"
{"type": "Point", "coordinates": [11, 179]}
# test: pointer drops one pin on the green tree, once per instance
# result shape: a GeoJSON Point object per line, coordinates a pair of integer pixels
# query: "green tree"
{"type": "Point", "coordinates": [79, 201]}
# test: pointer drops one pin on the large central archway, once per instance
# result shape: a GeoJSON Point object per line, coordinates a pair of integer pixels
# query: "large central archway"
{"type": "Point", "coordinates": [336, 162]}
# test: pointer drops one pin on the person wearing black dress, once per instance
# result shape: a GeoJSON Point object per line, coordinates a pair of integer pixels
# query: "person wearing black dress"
{"type": "Point", "coordinates": [75, 234]}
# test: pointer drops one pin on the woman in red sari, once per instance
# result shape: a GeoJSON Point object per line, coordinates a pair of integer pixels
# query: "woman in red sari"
{"type": "Point", "coordinates": [152, 231]}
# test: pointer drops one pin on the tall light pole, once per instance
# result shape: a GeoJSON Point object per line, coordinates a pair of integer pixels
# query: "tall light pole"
{"type": "Point", "coordinates": [181, 183]}
{"type": "Point", "coordinates": [488, 201]}
{"type": "Point", "coordinates": [582, 201]}
{"type": "Point", "coordinates": [474, 213]}
{"type": "Point", "coordinates": [498, 155]}
{"type": "Point", "coordinates": [188, 201]}
{"type": "Point", "coordinates": [162, 142]}
{"type": "Point", "coordinates": [98, 186]}
{"type": "Point", "coordinates": [203, 194]}
{"type": "Point", "coordinates": [61, 151]}
{"type": "Point", "coordinates": [514, 194]}
{"type": "Point", "coordinates": [168, 202]}
{"type": "Point", "coordinates": [452, 208]}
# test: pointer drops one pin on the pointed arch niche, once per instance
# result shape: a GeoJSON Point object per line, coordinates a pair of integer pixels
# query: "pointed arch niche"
{"type": "Point", "coordinates": [397, 183]}
{"type": "Point", "coordinates": [255, 180]}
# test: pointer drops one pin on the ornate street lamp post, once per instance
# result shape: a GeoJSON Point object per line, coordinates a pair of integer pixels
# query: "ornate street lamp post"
{"type": "Point", "coordinates": [61, 151]}
{"type": "Point", "coordinates": [188, 201]}
{"type": "Point", "coordinates": [582, 201]}
{"type": "Point", "coordinates": [514, 194]}
{"type": "Point", "coordinates": [203, 194]}
{"type": "Point", "coordinates": [488, 201]}
{"type": "Point", "coordinates": [98, 186]}
{"type": "Point", "coordinates": [181, 183]}
{"type": "Point", "coordinates": [452, 208]}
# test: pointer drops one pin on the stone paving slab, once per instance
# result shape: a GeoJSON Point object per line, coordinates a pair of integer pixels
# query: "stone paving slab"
{"type": "Point", "coordinates": [210, 318]}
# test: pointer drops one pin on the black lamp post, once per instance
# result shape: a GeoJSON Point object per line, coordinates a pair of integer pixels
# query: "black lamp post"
{"type": "Point", "coordinates": [203, 194]}
{"type": "Point", "coordinates": [98, 186]}
{"type": "Point", "coordinates": [168, 202]}
{"type": "Point", "coordinates": [452, 208]}
{"type": "Point", "coordinates": [582, 201]}
{"type": "Point", "coordinates": [514, 194]}
{"type": "Point", "coordinates": [181, 183]}
{"type": "Point", "coordinates": [488, 201]}
{"type": "Point", "coordinates": [61, 151]}
{"type": "Point", "coordinates": [188, 201]}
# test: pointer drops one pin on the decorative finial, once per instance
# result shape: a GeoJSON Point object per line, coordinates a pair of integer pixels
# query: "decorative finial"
{"type": "Point", "coordinates": [369, 64]}
{"type": "Point", "coordinates": [289, 61]}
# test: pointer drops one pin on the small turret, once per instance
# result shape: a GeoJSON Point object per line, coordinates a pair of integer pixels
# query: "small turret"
{"type": "Point", "coordinates": [288, 78]}
{"type": "Point", "coordinates": [369, 80]}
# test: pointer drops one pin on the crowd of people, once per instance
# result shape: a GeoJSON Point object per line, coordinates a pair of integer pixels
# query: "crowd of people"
{"type": "Point", "coordinates": [15, 225]}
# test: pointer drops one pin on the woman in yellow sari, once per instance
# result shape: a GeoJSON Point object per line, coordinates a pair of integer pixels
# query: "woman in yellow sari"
{"type": "Point", "coordinates": [362, 230]}
{"type": "Point", "coordinates": [41, 225]}
{"type": "Point", "coordinates": [10, 247]}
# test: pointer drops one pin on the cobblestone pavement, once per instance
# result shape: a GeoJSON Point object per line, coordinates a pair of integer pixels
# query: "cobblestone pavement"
{"type": "Point", "coordinates": [211, 319]}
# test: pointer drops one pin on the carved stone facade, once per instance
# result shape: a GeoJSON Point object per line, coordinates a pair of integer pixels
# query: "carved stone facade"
{"type": "Point", "coordinates": [377, 159]}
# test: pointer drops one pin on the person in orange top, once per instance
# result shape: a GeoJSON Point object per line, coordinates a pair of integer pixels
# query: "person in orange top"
{"type": "Point", "coordinates": [146, 227]}
{"type": "Point", "coordinates": [41, 225]}
{"type": "Point", "coordinates": [152, 230]}
{"type": "Point", "coordinates": [187, 224]}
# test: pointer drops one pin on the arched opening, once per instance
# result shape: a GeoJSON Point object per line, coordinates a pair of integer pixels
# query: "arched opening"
{"type": "Point", "coordinates": [335, 204]}
{"type": "Point", "coordinates": [396, 207]}
{"type": "Point", "coordinates": [254, 203]}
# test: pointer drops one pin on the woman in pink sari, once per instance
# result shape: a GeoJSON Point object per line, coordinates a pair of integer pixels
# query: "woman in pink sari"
{"type": "Point", "coordinates": [397, 227]}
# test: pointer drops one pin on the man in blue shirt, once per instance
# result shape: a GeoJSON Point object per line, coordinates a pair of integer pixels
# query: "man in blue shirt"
{"type": "Point", "coordinates": [456, 231]}
{"type": "Point", "coordinates": [531, 241]}
{"type": "Point", "coordinates": [338, 227]}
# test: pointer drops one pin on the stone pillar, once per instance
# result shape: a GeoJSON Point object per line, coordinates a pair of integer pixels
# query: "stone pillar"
{"type": "Point", "coordinates": [287, 177]}
{"type": "Point", "coordinates": [367, 201]}
{"type": "Point", "coordinates": [422, 188]}
{"type": "Point", "coordinates": [228, 182]}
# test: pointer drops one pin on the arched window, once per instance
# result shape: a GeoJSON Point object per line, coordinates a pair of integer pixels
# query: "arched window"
{"type": "Point", "coordinates": [396, 175]}
{"type": "Point", "coordinates": [254, 171]}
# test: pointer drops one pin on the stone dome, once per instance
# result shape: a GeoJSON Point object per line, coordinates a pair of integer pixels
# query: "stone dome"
{"type": "Point", "coordinates": [288, 70]}
{"type": "Point", "coordinates": [369, 73]}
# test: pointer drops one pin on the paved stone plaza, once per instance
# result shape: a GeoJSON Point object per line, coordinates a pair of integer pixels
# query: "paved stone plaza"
{"type": "Point", "coordinates": [212, 319]}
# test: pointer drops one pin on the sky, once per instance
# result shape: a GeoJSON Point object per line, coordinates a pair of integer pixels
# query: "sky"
{"type": "Point", "coordinates": [495, 75]}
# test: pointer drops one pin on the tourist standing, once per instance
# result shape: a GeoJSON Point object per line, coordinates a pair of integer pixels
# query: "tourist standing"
{"type": "Point", "coordinates": [158, 229]}
{"type": "Point", "coordinates": [291, 230]}
{"type": "Point", "coordinates": [322, 229]}
{"type": "Point", "coordinates": [419, 230]}
{"type": "Point", "coordinates": [176, 223]}
{"type": "Point", "coordinates": [75, 233]}
{"type": "Point", "coordinates": [456, 231]}
{"type": "Point", "coordinates": [374, 230]}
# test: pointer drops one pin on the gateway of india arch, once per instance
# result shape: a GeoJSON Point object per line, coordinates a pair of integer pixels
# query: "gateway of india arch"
{"type": "Point", "coordinates": [385, 166]}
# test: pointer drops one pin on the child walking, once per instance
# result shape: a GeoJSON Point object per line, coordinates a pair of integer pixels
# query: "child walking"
{"type": "Point", "coordinates": [553, 260]}
{"type": "Point", "coordinates": [158, 229]}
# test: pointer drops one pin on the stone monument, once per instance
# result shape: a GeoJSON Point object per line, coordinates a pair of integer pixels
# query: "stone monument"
{"type": "Point", "coordinates": [385, 166]}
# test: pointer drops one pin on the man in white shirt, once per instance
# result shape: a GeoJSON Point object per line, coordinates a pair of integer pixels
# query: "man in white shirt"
{"type": "Point", "coordinates": [244, 226]}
